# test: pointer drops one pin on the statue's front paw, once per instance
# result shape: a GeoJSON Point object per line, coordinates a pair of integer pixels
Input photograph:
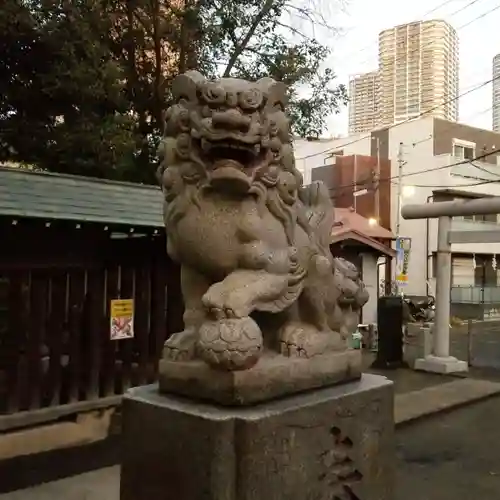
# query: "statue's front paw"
{"type": "Point", "coordinates": [223, 303]}
{"type": "Point", "coordinates": [305, 341]}
{"type": "Point", "coordinates": [181, 346]}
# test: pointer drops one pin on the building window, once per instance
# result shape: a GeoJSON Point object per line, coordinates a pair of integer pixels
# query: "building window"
{"type": "Point", "coordinates": [463, 150]}
{"type": "Point", "coordinates": [481, 218]}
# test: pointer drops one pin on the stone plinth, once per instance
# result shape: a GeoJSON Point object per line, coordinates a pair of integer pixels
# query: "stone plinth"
{"type": "Point", "coordinates": [273, 376]}
{"type": "Point", "coordinates": [436, 364]}
{"type": "Point", "coordinates": [332, 443]}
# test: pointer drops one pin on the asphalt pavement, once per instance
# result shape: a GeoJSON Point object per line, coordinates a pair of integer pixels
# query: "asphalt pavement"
{"type": "Point", "coordinates": [453, 456]}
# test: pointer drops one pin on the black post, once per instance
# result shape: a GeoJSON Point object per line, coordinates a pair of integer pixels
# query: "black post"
{"type": "Point", "coordinates": [390, 333]}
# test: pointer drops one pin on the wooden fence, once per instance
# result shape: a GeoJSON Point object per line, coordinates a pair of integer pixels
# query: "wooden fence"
{"type": "Point", "coordinates": [55, 345]}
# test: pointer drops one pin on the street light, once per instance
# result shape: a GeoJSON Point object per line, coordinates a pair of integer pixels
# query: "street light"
{"type": "Point", "coordinates": [408, 191]}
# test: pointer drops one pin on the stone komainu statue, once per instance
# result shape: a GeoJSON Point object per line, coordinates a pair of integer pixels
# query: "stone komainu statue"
{"type": "Point", "coordinates": [252, 241]}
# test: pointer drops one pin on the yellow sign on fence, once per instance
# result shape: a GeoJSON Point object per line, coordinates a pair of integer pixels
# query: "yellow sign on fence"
{"type": "Point", "coordinates": [122, 319]}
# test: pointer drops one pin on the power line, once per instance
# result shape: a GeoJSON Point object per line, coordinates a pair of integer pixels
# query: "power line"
{"type": "Point", "coordinates": [433, 169]}
{"type": "Point", "coordinates": [436, 186]}
{"type": "Point", "coordinates": [452, 124]}
{"type": "Point", "coordinates": [394, 125]}
{"type": "Point", "coordinates": [480, 17]}
{"type": "Point", "coordinates": [425, 112]}
{"type": "Point", "coordinates": [429, 28]}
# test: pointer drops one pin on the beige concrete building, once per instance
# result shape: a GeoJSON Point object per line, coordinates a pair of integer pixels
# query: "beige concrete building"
{"type": "Point", "coordinates": [496, 93]}
{"type": "Point", "coordinates": [363, 102]}
{"type": "Point", "coordinates": [418, 64]}
{"type": "Point", "coordinates": [435, 167]}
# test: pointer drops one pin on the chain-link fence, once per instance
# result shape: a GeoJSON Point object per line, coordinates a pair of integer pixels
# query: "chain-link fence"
{"type": "Point", "coordinates": [484, 344]}
{"type": "Point", "coordinates": [477, 342]}
{"type": "Point", "coordinates": [475, 302]}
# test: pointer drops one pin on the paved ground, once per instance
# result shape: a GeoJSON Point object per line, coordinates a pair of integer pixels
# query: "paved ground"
{"type": "Point", "coordinates": [413, 405]}
{"type": "Point", "coordinates": [451, 457]}
{"type": "Point", "coordinates": [99, 485]}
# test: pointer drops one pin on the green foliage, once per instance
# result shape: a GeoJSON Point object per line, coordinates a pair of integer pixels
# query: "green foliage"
{"type": "Point", "coordinates": [63, 105]}
{"type": "Point", "coordinates": [84, 83]}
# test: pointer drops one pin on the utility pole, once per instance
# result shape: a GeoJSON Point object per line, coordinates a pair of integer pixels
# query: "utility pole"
{"type": "Point", "coordinates": [377, 184]}
{"type": "Point", "coordinates": [398, 210]}
{"type": "Point", "coordinates": [400, 188]}
{"type": "Point", "coordinates": [355, 178]}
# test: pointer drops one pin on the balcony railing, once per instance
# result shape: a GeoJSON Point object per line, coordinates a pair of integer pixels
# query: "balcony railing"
{"type": "Point", "coordinates": [461, 224]}
{"type": "Point", "coordinates": [475, 294]}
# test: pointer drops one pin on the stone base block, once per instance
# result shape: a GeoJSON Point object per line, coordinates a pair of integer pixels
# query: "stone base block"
{"type": "Point", "coordinates": [435, 364]}
{"type": "Point", "coordinates": [334, 443]}
{"type": "Point", "coordinates": [273, 376]}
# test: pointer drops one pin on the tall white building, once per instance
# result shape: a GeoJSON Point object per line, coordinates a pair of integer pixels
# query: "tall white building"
{"type": "Point", "coordinates": [496, 93]}
{"type": "Point", "coordinates": [363, 102]}
{"type": "Point", "coordinates": [418, 64]}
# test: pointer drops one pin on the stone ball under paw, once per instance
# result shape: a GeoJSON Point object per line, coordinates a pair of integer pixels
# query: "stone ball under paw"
{"type": "Point", "coordinates": [230, 344]}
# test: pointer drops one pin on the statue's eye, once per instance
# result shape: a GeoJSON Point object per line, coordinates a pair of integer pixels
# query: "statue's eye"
{"type": "Point", "coordinates": [278, 107]}
{"type": "Point", "coordinates": [251, 99]}
{"type": "Point", "coordinates": [213, 93]}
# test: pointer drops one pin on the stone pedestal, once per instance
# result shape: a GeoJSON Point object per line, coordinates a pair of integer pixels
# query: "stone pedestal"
{"type": "Point", "coordinates": [437, 364]}
{"type": "Point", "coordinates": [273, 377]}
{"type": "Point", "coordinates": [334, 443]}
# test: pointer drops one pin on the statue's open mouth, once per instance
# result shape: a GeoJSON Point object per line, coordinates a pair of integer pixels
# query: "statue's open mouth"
{"type": "Point", "coordinates": [233, 161]}
{"type": "Point", "coordinates": [246, 155]}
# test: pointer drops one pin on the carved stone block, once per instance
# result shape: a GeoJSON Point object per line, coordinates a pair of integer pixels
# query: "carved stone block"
{"type": "Point", "coordinates": [328, 444]}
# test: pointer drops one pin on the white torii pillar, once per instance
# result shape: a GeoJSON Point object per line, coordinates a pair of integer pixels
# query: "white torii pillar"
{"type": "Point", "coordinates": [440, 361]}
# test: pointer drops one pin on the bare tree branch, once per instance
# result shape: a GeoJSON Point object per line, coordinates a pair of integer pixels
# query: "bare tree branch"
{"type": "Point", "coordinates": [238, 49]}
{"type": "Point", "coordinates": [315, 18]}
{"type": "Point", "coordinates": [294, 30]}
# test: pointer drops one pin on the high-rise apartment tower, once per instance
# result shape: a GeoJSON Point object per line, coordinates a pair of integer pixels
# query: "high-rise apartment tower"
{"type": "Point", "coordinates": [363, 102]}
{"type": "Point", "coordinates": [418, 64]}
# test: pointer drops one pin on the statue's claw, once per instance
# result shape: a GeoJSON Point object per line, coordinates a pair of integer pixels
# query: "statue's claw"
{"type": "Point", "coordinates": [181, 346]}
{"type": "Point", "coordinates": [220, 313]}
{"type": "Point", "coordinates": [303, 340]}
{"type": "Point", "coordinates": [221, 302]}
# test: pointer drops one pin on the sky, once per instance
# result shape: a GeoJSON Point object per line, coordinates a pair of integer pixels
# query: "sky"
{"type": "Point", "coordinates": [355, 49]}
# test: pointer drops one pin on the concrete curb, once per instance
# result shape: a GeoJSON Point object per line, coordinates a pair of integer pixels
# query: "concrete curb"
{"type": "Point", "coordinates": [441, 398]}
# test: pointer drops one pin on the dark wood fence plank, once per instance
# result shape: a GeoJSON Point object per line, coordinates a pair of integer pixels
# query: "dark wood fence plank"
{"type": "Point", "coordinates": [77, 289]}
{"type": "Point", "coordinates": [110, 346]}
{"type": "Point", "coordinates": [158, 315]}
{"type": "Point", "coordinates": [96, 312]}
{"type": "Point", "coordinates": [142, 318]}
{"type": "Point", "coordinates": [8, 344]}
{"type": "Point", "coordinates": [57, 335]}
{"type": "Point", "coordinates": [126, 346]}
{"type": "Point", "coordinates": [19, 304]}
{"type": "Point", "coordinates": [36, 335]}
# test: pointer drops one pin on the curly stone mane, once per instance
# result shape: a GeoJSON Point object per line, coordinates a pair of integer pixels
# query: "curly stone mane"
{"type": "Point", "coordinates": [193, 148]}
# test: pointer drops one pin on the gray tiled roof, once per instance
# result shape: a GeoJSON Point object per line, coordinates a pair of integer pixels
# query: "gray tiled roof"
{"type": "Point", "coordinates": [66, 197]}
